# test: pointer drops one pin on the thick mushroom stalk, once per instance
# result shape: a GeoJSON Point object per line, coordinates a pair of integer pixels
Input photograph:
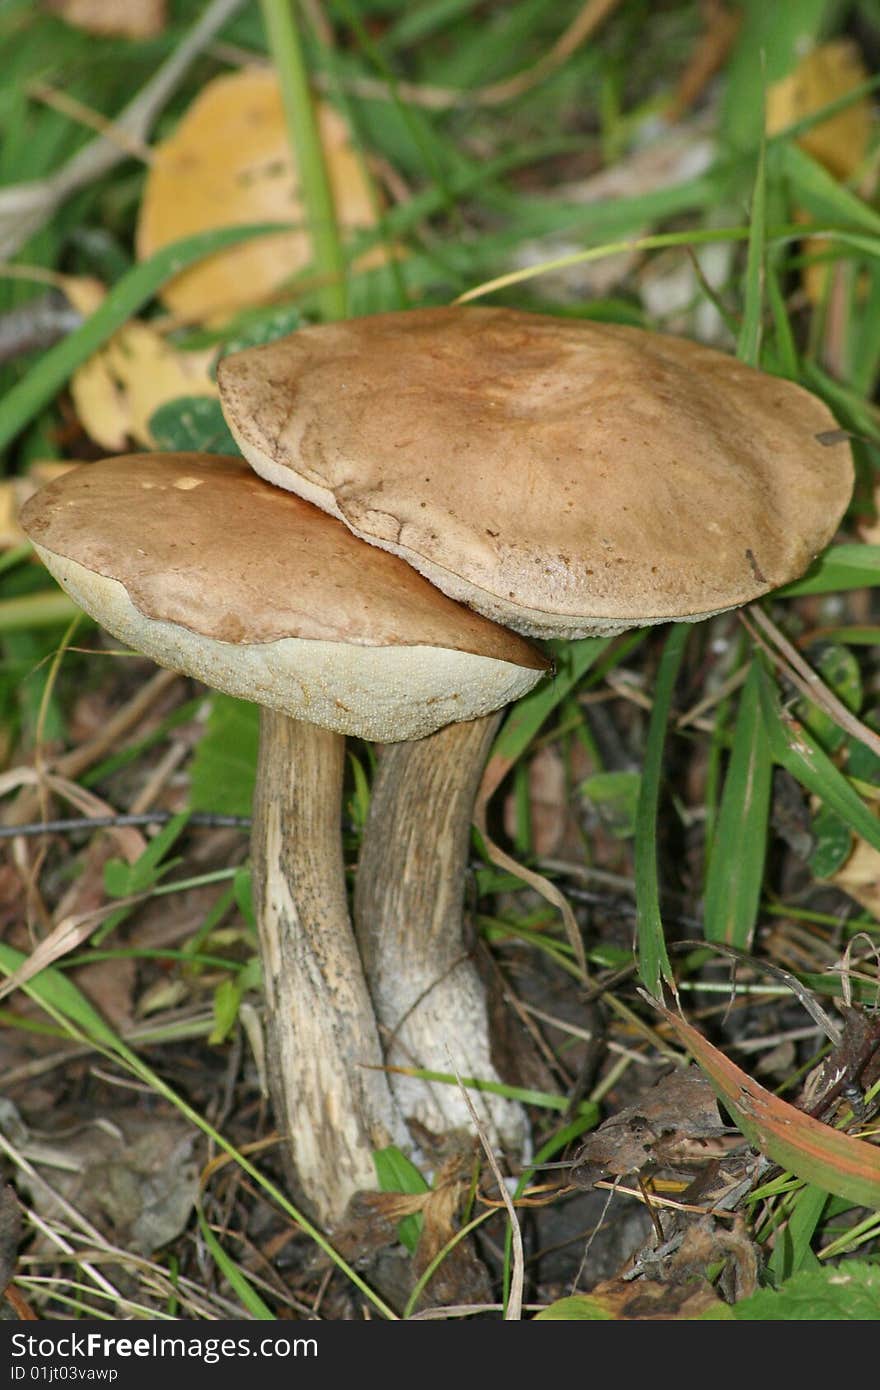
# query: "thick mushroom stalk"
{"type": "Point", "coordinates": [201, 565]}
{"type": "Point", "coordinates": [331, 1098]}
{"type": "Point", "coordinates": [409, 900]}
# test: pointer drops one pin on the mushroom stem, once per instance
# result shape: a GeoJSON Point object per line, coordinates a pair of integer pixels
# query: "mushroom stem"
{"type": "Point", "coordinates": [330, 1101]}
{"type": "Point", "coordinates": [409, 901]}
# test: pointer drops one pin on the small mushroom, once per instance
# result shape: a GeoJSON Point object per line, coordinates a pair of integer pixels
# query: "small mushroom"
{"type": "Point", "coordinates": [565, 478]}
{"type": "Point", "coordinates": [204, 567]}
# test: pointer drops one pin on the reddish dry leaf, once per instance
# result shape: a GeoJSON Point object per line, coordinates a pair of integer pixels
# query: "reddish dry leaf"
{"type": "Point", "coordinates": [835, 1161]}
{"type": "Point", "coordinates": [674, 1124]}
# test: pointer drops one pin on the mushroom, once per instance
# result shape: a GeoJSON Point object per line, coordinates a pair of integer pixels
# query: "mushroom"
{"type": "Point", "coordinates": [565, 478]}
{"type": "Point", "coordinates": [204, 567]}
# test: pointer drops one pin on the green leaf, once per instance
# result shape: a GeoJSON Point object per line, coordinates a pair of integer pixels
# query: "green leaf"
{"type": "Point", "coordinates": [395, 1173]}
{"type": "Point", "coordinates": [778, 34]}
{"type": "Point", "coordinates": [194, 423]}
{"type": "Point", "coordinates": [123, 880]}
{"type": "Point", "coordinates": [262, 326]}
{"type": "Point", "coordinates": [840, 670]}
{"type": "Point", "coordinates": [739, 845]}
{"type": "Point", "coordinates": [832, 842]}
{"type": "Point", "coordinates": [848, 1292]}
{"type": "Point", "coordinates": [236, 1277]}
{"type": "Point", "coordinates": [813, 188]}
{"type": "Point", "coordinates": [793, 747]}
{"type": "Point", "coordinates": [748, 348]}
{"type": "Point", "coordinates": [840, 567]}
{"type": "Point", "coordinates": [862, 762]}
{"type": "Point", "coordinates": [224, 765]}
{"type": "Point", "coordinates": [792, 1245]}
{"type": "Point", "coordinates": [243, 891]}
{"type": "Point", "coordinates": [578, 1307]}
{"type": "Point", "coordinates": [53, 989]}
{"type": "Point", "coordinates": [359, 801]}
{"type": "Point", "coordinates": [227, 998]}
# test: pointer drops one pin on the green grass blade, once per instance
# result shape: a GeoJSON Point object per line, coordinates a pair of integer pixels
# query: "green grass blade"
{"type": "Point", "coordinates": [238, 1281]}
{"type": "Point", "coordinates": [813, 188]}
{"type": "Point", "coordinates": [654, 964]}
{"type": "Point", "coordinates": [840, 567]}
{"type": "Point", "coordinates": [396, 1173]}
{"type": "Point", "coordinates": [793, 747]}
{"type": "Point", "coordinates": [736, 866]}
{"type": "Point", "coordinates": [792, 1246]}
{"type": "Point", "coordinates": [748, 348]}
{"type": "Point", "coordinates": [131, 293]}
{"type": "Point", "coordinates": [64, 1002]}
{"type": "Point", "coordinates": [574, 659]}
{"type": "Point", "coordinates": [282, 30]}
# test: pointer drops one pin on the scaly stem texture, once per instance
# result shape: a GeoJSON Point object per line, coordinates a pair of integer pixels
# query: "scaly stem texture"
{"type": "Point", "coordinates": [409, 900]}
{"type": "Point", "coordinates": [322, 1041]}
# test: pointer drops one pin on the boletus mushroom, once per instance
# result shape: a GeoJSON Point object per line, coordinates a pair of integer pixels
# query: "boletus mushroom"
{"type": "Point", "coordinates": [565, 478]}
{"type": "Point", "coordinates": [203, 566]}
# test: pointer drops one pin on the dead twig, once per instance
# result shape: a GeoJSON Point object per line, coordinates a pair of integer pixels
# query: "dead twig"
{"type": "Point", "coordinates": [790, 662]}
{"type": "Point", "coordinates": [26, 207]}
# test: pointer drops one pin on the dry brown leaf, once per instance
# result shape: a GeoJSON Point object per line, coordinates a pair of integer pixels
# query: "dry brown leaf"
{"type": "Point", "coordinates": [229, 162]}
{"type": "Point", "coordinates": [124, 19]}
{"type": "Point", "coordinates": [130, 1172]}
{"type": "Point", "coordinates": [839, 143]}
{"type": "Point", "coordinates": [109, 985]}
{"type": "Point", "coordinates": [675, 1124]}
{"type": "Point", "coordinates": [651, 1300]}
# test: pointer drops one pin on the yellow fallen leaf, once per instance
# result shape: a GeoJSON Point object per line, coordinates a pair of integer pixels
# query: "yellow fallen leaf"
{"type": "Point", "coordinates": [117, 390]}
{"type": "Point", "coordinates": [829, 72]}
{"type": "Point", "coordinates": [840, 142]}
{"type": "Point", "coordinates": [229, 162]}
{"type": "Point", "coordinates": [127, 19]}
{"type": "Point", "coordinates": [84, 292]}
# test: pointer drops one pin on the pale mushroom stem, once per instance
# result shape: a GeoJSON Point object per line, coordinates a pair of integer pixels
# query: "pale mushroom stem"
{"type": "Point", "coordinates": [330, 1101]}
{"type": "Point", "coordinates": [408, 907]}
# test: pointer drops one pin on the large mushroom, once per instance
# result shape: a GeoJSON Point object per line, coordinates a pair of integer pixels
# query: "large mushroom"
{"type": "Point", "coordinates": [563, 477]}
{"type": "Point", "coordinates": [201, 565]}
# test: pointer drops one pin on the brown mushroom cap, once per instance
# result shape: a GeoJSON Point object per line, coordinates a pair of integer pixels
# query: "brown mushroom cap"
{"type": "Point", "coordinates": [563, 477]}
{"type": "Point", "coordinates": [195, 561]}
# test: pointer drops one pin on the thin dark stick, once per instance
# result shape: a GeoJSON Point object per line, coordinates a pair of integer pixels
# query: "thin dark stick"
{"type": "Point", "coordinates": [46, 827]}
